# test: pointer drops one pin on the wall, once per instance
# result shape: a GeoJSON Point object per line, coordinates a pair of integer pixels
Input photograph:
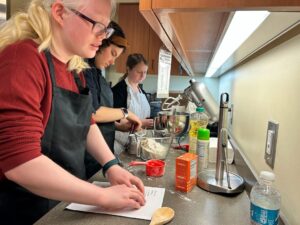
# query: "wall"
{"type": "Point", "coordinates": [177, 83]}
{"type": "Point", "coordinates": [267, 88]}
{"type": "Point", "coordinates": [16, 5]}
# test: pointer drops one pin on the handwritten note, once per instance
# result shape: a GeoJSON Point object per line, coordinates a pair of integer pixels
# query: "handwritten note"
{"type": "Point", "coordinates": [154, 199]}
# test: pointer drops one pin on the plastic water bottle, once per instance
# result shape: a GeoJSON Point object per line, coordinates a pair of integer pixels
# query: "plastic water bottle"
{"type": "Point", "coordinates": [265, 201]}
{"type": "Point", "coordinates": [198, 120]}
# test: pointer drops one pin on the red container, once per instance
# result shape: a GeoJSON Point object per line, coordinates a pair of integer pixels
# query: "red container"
{"type": "Point", "coordinates": [154, 167]}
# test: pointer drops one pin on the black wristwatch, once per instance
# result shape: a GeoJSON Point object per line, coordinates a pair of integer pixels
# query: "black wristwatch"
{"type": "Point", "coordinates": [125, 112]}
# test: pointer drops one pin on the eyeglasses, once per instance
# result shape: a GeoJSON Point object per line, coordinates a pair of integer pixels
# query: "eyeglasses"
{"type": "Point", "coordinates": [98, 28]}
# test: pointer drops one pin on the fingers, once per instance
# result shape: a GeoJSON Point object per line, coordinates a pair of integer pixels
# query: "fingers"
{"type": "Point", "coordinates": [137, 196]}
{"type": "Point", "coordinates": [138, 183]}
{"type": "Point", "coordinates": [132, 197]}
{"type": "Point", "coordinates": [136, 186]}
{"type": "Point", "coordinates": [133, 204]}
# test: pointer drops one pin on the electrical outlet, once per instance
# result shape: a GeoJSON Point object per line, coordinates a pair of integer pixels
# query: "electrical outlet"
{"type": "Point", "coordinates": [271, 141]}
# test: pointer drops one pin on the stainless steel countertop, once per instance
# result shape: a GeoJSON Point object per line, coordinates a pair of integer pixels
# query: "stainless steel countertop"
{"type": "Point", "coordinates": [197, 207]}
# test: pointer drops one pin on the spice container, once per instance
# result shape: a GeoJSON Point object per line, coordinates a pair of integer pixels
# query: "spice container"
{"type": "Point", "coordinates": [186, 172]}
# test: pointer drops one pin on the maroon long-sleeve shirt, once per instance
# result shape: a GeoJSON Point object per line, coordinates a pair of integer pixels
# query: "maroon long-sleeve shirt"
{"type": "Point", "coordinates": [25, 101]}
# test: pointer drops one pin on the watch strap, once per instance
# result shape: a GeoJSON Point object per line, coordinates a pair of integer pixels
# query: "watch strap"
{"type": "Point", "coordinates": [109, 164]}
{"type": "Point", "coordinates": [125, 112]}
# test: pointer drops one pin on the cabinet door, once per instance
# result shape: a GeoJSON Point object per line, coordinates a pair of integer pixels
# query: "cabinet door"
{"type": "Point", "coordinates": [142, 39]}
{"type": "Point", "coordinates": [154, 45]}
{"type": "Point", "coordinates": [136, 30]}
{"type": "Point", "coordinates": [176, 69]}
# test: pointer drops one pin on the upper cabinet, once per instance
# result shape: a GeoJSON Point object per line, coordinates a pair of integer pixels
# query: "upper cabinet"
{"type": "Point", "coordinates": [136, 30]}
{"type": "Point", "coordinates": [192, 29]}
{"type": "Point", "coordinates": [141, 38]}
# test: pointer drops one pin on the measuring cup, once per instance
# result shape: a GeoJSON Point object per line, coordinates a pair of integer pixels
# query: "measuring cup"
{"type": "Point", "coordinates": [154, 167]}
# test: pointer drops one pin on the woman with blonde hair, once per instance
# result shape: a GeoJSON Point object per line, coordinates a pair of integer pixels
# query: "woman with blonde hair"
{"type": "Point", "coordinates": [45, 112]}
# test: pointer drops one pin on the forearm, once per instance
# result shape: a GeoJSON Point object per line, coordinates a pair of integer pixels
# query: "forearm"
{"type": "Point", "coordinates": [45, 178]}
{"type": "Point", "coordinates": [97, 147]}
{"type": "Point", "coordinates": [106, 114]}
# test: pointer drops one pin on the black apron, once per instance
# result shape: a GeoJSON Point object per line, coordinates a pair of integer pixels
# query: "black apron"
{"type": "Point", "coordinates": [102, 96]}
{"type": "Point", "coordinates": [64, 142]}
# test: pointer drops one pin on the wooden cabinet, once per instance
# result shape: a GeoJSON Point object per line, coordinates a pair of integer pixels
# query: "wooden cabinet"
{"type": "Point", "coordinates": [193, 29]}
{"type": "Point", "coordinates": [136, 30]}
{"type": "Point", "coordinates": [142, 39]}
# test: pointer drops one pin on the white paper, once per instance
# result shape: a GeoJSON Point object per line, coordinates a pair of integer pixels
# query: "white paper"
{"type": "Point", "coordinates": [164, 70]}
{"type": "Point", "coordinates": [154, 199]}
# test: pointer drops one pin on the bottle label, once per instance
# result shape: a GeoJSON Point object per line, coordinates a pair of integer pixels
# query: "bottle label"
{"type": "Point", "coordinates": [202, 152]}
{"type": "Point", "coordinates": [264, 216]}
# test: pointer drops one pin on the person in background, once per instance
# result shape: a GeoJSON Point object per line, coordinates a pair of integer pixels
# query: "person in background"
{"type": "Point", "coordinates": [105, 115]}
{"type": "Point", "coordinates": [128, 94]}
{"type": "Point", "coordinates": [45, 113]}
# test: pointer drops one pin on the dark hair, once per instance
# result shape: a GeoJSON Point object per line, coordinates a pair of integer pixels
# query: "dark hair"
{"type": "Point", "coordinates": [133, 60]}
{"type": "Point", "coordinates": [117, 38]}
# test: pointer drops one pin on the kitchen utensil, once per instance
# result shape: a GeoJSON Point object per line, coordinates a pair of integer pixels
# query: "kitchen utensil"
{"type": "Point", "coordinates": [131, 133]}
{"type": "Point", "coordinates": [167, 123]}
{"type": "Point", "coordinates": [198, 93]}
{"type": "Point", "coordinates": [162, 215]}
{"type": "Point", "coordinates": [213, 180]}
{"type": "Point", "coordinates": [133, 146]}
{"type": "Point", "coordinates": [154, 168]}
{"type": "Point", "coordinates": [155, 147]}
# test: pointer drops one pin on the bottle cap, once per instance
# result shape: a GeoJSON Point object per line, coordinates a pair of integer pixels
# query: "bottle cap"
{"type": "Point", "coordinates": [203, 134]}
{"type": "Point", "coordinates": [200, 109]}
{"type": "Point", "coordinates": [266, 175]}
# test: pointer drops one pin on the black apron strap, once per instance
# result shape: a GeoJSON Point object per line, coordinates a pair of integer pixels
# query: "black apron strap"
{"type": "Point", "coordinates": [53, 83]}
{"type": "Point", "coordinates": [82, 90]}
{"type": "Point", "coordinates": [51, 69]}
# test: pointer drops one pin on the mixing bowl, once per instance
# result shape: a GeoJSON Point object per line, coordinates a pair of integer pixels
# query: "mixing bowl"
{"type": "Point", "coordinates": [155, 147]}
{"type": "Point", "coordinates": [167, 123]}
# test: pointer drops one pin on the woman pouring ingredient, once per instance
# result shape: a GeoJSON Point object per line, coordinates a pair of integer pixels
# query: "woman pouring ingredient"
{"type": "Point", "coordinates": [45, 112]}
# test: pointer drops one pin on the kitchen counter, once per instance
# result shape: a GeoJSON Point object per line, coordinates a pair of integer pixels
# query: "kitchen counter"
{"type": "Point", "coordinates": [197, 207]}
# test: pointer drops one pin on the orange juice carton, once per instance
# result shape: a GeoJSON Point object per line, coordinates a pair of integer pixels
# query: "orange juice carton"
{"type": "Point", "coordinates": [186, 172]}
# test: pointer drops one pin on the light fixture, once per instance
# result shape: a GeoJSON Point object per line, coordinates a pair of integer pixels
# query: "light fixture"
{"type": "Point", "coordinates": [242, 25]}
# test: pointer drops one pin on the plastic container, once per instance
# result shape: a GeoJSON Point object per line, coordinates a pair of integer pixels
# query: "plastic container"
{"type": "Point", "coordinates": [203, 148]}
{"type": "Point", "coordinates": [265, 201]}
{"type": "Point", "coordinates": [198, 120]}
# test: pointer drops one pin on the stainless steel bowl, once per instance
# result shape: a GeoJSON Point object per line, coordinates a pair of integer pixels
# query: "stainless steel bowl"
{"type": "Point", "coordinates": [168, 123]}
